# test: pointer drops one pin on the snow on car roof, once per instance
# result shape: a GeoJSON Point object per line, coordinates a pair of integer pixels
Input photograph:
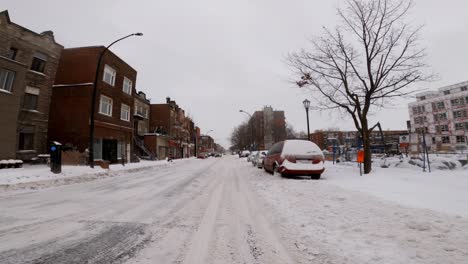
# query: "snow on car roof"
{"type": "Point", "coordinates": [300, 147]}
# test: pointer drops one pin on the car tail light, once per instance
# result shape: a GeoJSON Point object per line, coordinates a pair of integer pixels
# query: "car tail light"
{"type": "Point", "coordinates": [316, 161]}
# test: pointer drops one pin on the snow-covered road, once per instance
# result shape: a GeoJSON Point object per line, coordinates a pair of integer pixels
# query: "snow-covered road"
{"type": "Point", "coordinates": [220, 211]}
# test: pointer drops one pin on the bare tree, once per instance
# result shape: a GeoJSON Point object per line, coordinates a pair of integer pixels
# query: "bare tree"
{"type": "Point", "coordinates": [371, 57]}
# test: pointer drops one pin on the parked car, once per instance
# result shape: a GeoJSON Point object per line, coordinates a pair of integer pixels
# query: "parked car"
{"type": "Point", "coordinates": [202, 156]}
{"type": "Point", "coordinates": [251, 156]}
{"type": "Point", "coordinates": [258, 159]}
{"type": "Point", "coordinates": [218, 155]}
{"type": "Point", "coordinates": [295, 157]}
{"type": "Point", "coordinates": [244, 153]}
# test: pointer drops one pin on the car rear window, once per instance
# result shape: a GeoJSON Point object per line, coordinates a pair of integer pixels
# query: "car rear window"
{"type": "Point", "coordinates": [300, 148]}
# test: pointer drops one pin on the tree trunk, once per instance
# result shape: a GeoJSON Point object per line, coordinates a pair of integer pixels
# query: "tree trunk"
{"type": "Point", "coordinates": [367, 147]}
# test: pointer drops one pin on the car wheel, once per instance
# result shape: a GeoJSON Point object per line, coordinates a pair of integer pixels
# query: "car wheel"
{"type": "Point", "coordinates": [315, 176]}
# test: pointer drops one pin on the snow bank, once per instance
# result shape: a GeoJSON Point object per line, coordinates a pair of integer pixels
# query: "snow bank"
{"type": "Point", "coordinates": [30, 174]}
{"type": "Point", "coordinates": [440, 190]}
{"type": "Point", "coordinates": [436, 162]}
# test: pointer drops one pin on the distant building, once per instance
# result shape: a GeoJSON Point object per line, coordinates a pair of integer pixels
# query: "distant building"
{"type": "Point", "coordinates": [71, 103]}
{"type": "Point", "coordinates": [443, 117]}
{"type": "Point", "coordinates": [269, 127]}
{"type": "Point", "coordinates": [169, 119]}
{"type": "Point", "coordinates": [326, 139]}
{"type": "Point", "coordinates": [207, 144]}
{"type": "Point", "coordinates": [28, 63]}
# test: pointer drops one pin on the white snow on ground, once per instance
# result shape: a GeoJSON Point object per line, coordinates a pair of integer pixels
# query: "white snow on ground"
{"type": "Point", "coordinates": [443, 191]}
{"type": "Point", "coordinates": [36, 173]}
{"type": "Point", "coordinates": [331, 224]}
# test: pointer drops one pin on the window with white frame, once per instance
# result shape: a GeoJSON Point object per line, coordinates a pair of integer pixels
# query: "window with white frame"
{"type": "Point", "coordinates": [6, 79]}
{"type": "Point", "coordinates": [127, 86]}
{"type": "Point", "coordinates": [109, 75]}
{"type": "Point", "coordinates": [459, 126]}
{"type": "Point", "coordinates": [461, 139]}
{"type": "Point", "coordinates": [125, 112]}
{"type": "Point", "coordinates": [105, 105]}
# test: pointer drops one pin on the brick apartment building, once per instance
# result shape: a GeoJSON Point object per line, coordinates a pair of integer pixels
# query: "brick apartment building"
{"type": "Point", "coordinates": [169, 120]}
{"type": "Point", "coordinates": [269, 127]}
{"type": "Point", "coordinates": [443, 115]}
{"type": "Point", "coordinates": [28, 63]}
{"type": "Point", "coordinates": [115, 102]}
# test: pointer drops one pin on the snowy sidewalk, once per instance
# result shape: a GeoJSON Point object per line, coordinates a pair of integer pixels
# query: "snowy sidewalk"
{"type": "Point", "coordinates": [40, 176]}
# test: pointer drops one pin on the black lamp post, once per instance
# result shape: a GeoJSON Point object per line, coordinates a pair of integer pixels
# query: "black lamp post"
{"type": "Point", "coordinates": [307, 106]}
{"type": "Point", "coordinates": [93, 98]}
{"type": "Point", "coordinates": [251, 128]}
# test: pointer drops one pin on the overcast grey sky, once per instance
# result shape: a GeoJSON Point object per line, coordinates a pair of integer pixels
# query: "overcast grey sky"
{"type": "Point", "coordinates": [215, 57]}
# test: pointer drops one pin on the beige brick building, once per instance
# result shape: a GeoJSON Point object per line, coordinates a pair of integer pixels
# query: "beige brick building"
{"type": "Point", "coordinates": [28, 63]}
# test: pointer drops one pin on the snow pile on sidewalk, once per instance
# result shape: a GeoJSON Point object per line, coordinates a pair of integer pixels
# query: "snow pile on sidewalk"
{"type": "Point", "coordinates": [39, 173]}
{"type": "Point", "coordinates": [436, 162]}
{"type": "Point", "coordinates": [440, 190]}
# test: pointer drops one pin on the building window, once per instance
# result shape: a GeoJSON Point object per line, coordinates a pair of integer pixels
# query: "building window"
{"type": "Point", "coordinates": [459, 114]}
{"type": "Point", "coordinates": [442, 128]}
{"type": "Point", "coordinates": [26, 138]}
{"type": "Point", "coordinates": [6, 79]}
{"type": "Point", "coordinates": [12, 53]}
{"type": "Point", "coordinates": [440, 105]}
{"type": "Point", "coordinates": [39, 62]}
{"type": "Point", "coordinates": [445, 139]}
{"type": "Point", "coordinates": [457, 101]}
{"type": "Point", "coordinates": [31, 96]}
{"type": "Point", "coordinates": [105, 106]}
{"type": "Point", "coordinates": [440, 117]}
{"type": "Point", "coordinates": [422, 98]}
{"type": "Point", "coordinates": [418, 109]}
{"type": "Point", "coordinates": [127, 86]}
{"type": "Point", "coordinates": [433, 140]}
{"type": "Point", "coordinates": [460, 126]}
{"type": "Point", "coordinates": [125, 112]}
{"type": "Point", "coordinates": [446, 92]}
{"type": "Point", "coordinates": [97, 148]}
{"type": "Point", "coordinates": [30, 101]}
{"type": "Point", "coordinates": [109, 75]}
{"type": "Point", "coordinates": [461, 139]}
{"type": "Point", "coordinates": [464, 88]}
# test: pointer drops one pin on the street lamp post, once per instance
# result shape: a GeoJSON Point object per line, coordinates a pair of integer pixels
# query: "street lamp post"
{"type": "Point", "coordinates": [93, 98]}
{"type": "Point", "coordinates": [251, 128]}
{"type": "Point", "coordinates": [307, 106]}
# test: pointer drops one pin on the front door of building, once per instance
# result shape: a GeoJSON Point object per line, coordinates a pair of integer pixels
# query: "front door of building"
{"type": "Point", "coordinates": [109, 150]}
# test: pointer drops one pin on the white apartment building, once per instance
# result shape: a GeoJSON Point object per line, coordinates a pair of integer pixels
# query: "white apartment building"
{"type": "Point", "coordinates": [443, 116]}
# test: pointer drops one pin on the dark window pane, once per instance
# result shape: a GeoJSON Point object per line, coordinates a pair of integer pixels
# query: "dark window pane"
{"type": "Point", "coordinates": [38, 65]}
{"type": "Point", "coordinates": [12, 53]}
{"type": "Point", "coordinates": [26, 138]}
{"type": "Point", "coordinates": [30, 101]}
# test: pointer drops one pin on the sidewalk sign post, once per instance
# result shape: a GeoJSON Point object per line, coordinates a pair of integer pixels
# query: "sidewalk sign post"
{"type": "Point", "coordinates": [360, 160]}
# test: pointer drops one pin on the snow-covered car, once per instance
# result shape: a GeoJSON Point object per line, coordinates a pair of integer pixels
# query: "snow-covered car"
{"type": "Point", "coordinates": [251, 156]}
{"type": "Point", "coordinates": [258, 159]}
{"type": "Point", "coordinates": [295, 157]}
{"type": "Point", "coordinates": [244, 153]}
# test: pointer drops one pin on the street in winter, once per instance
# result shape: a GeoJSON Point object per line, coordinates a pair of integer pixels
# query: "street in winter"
{"type": "Point", "coordinates": [244, 132]}
{"type": "Point", "coordinates": [224, 210]}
